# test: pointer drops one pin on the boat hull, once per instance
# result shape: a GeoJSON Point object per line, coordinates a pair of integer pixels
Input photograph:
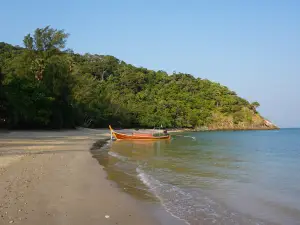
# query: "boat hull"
{"type": "Point", "coordinates": [120, 136]}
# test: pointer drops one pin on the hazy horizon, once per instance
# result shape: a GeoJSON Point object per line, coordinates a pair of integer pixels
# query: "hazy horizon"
{"type": "Point", "coordinates": [251, 47]}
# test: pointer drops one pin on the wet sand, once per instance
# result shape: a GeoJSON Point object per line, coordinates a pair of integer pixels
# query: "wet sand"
{"type": "Point", "coordinates": [51, 178]}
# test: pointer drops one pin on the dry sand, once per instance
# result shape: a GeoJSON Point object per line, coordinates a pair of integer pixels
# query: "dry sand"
{"type": "Point", "coordinates": [51, 178]}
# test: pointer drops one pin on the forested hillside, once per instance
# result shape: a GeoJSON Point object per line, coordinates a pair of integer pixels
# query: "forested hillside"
{"type": "Point", "coordinates": [45, 85]}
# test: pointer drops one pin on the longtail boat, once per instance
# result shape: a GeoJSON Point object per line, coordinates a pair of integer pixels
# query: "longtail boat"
{"type": "Point", "coordinates": [137, 136]}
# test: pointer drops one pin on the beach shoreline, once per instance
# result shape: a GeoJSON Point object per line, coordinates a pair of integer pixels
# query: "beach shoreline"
{"type": "Point", "coordinates": [52, 178]}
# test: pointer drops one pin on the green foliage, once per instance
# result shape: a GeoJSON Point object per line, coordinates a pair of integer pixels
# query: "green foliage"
{"type": "Point", "coordinates": [43, 85]}
{"type": "Point", "coordinates": [254, 106]}
{"type": "Point", "coordinates": [46, 39]}
{"type": "Point", "coordinates": [33, 108]}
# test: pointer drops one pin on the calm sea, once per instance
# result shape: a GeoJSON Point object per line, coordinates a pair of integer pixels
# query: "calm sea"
{"type": "Point", "coordinates": [232, 177]}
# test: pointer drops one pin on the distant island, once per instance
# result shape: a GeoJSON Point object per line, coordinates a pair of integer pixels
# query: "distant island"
{"type": "Point", "coordinates": [44, 85]}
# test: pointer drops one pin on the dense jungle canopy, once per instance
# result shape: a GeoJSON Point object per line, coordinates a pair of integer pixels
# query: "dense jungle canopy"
{"type": "Point", "coordinates": [46, 85]}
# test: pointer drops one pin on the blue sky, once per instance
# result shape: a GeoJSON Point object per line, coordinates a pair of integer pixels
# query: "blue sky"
{"type": "Point", "coordinates": [253, 47]}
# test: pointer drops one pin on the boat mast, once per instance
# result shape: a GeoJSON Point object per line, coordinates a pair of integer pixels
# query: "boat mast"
{"type": "Point", "coordinates": [159, 129]}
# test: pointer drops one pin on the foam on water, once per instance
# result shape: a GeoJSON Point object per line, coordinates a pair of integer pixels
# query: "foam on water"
{"type": "Point", "coordinates": [118, 156]}
{"type": "Point", "coordinates": [194, 138]}
{"type": "Point", "coordinates": [214, 177]}
{"type": "Point", "coordinates": [191, 206]}
{"type": "Point", "coordinates": [156, 187]}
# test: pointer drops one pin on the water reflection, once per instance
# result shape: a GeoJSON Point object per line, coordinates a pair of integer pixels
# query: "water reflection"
{"type": "Point", "coordinates": [139, 150]}
{"type": "Point", "coordinates": [212, 175]}
{"type": "Point", "coordinates": [180, 162]}
{"type": "Point", "coordinates": [120, 160]}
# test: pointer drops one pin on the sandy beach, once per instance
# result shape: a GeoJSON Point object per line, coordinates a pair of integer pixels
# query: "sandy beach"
{"type": "Point", "coordinates": [51, 178]}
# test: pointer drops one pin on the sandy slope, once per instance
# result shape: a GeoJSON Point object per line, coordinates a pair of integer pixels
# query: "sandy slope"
{"type": "Point", "coordinates": [51, 178]}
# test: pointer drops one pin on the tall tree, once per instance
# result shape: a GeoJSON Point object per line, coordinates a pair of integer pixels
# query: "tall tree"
{"type": "Point", "coordinates": [45, 39]}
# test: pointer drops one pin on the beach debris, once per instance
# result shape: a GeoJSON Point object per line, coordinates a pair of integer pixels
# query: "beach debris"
{"type": "Point", "coordinates": [11, 221]}
{"type": "Point", "coordinates": [106, 216]}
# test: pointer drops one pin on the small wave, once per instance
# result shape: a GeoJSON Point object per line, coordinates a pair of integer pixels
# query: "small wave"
{"type": "Point", "coordinates": [194, 138]}
{"type": "Point", "coordinates": [192, 206]}
{"type": "Point", "coordinates": [156, 188]}
{"type": "Point", "coordinates": [118, 156]}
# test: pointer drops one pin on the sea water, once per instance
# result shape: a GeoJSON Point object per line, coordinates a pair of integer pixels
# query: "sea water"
{"type": "Point", "coordinates": [232, 177]}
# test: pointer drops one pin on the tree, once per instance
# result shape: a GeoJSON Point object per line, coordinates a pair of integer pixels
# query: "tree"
{"type": "Point", "coordinates": [254, 106]}
{"type": "Point", "coordinates": [47, 85]}
{"type": "Point", "coordinates": [45, 39]}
